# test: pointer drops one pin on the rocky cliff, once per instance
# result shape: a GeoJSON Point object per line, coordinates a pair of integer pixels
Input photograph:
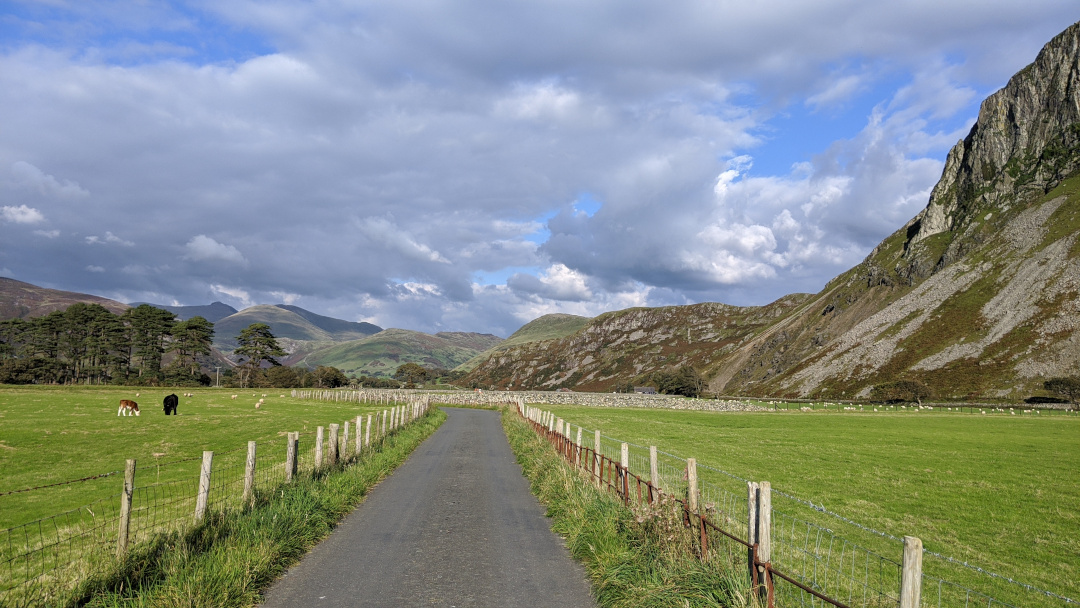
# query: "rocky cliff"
{"type": "Point", "coordinates": [976, 296]}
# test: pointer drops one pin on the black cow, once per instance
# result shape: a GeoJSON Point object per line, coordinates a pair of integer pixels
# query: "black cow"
{"type": "Point", "coordinates": [170, 404]}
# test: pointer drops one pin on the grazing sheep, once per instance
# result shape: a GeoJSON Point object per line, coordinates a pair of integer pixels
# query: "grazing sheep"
{"type": "Point", "coordinates": [127, 407]}
{"type": "Point", "coordinates": [234, 396]}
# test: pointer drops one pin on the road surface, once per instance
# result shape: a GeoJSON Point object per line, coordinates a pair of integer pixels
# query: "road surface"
{"type": "Point", "coordinates": [454, 526]}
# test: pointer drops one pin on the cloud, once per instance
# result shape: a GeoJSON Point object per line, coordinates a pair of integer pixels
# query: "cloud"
{"type": "Point", "coordinates": [557, 283]}
{"type": "Point", "coordinates": [372, 162]}
{"type": "Point", "coordinates": [109, 238]}
{"type": "Point", "coordinates": [21, 215]}
{"type": "Point", "coordinates": [93, 268]}
{"type": "Point", "coordinates": [30, 177]}
{"type": "Point", "coordinates": [202, 248]}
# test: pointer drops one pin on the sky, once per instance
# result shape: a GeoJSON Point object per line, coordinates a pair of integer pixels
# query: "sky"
{"type": "Point", "coordinates": [471, 165]}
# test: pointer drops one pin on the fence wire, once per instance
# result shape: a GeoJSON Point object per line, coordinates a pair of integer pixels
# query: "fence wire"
{"type": "Point", "coordinates": [853, 568]}
{"type": "Point", "coordinates": [43, 561]}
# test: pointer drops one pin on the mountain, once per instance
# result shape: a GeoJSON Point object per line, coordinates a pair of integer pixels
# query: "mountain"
{"type": "Point", "coordinates": [211, 312]}
{"type": "Point", "coordinates": [977, 296]}
{"type": "Point", "coordinates": [20, 300]}
{"type": "Point", "coordinates": [382, 353]}
{"type": "Point", "coordinates": [341, 330]}
{"type": "Point", "coordinates": [284, 324]}
{"type": "Point", "coordinates": [547, 327]}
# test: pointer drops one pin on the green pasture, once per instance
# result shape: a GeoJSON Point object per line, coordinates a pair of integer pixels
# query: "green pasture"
{"type": "Point", "coordinates": [1001, 491]}
{"type": "Point", "coordinates": [54, 434]}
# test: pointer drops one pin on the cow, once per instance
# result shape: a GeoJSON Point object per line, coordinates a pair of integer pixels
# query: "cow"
{"type": "Point", "coordinates": [170, 403]}
{"type": "Point", "coordinates": [127, 407]}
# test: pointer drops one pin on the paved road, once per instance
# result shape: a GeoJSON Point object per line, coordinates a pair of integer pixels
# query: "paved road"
{"type": "Point", "coordinates": [455, 525]}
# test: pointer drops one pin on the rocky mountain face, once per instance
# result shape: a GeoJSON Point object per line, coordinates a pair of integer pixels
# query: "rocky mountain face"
{"type": "Point", "coordinates": [977, 296]}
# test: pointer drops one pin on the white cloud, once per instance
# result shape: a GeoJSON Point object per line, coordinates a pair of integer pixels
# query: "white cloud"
{"type": "Point", "coordinates": [238, 294]}
{"type": "Point", "coordinates": [93, 268]}
{"type": "Point", "coordinates": [49, 234]}
{"type": "Point", "coordinates": [21, 215]}
{"type": "Point", "coordinates": [556, 283]}
{"type": "Point", "coordinates": [387, 234]}
{"type": "Point", "coordinates": [202, 248]}
{"type": "Point", "coordinates": [109, 238]}
{"type": "Point", "coordinates": [285, 297]}
{"type": "Point", "coordinates": [30, 177]}
{"type": "Point", "coordinates": [837, 90]}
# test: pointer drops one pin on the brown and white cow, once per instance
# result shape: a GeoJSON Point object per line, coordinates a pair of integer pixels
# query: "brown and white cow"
{"type": "Point", "coordinates": [127, 407]}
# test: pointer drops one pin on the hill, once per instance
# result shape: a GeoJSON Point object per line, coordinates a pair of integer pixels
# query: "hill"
{"type": "Point", "coordinates": [19, 300]}
{"type": "Point", "coordinates": [382, 353]}
{"type": "Point", "coordinates": [211, 312]}
{"type": "Point", "coordinates": [339, 329]}
{"type": "Point", "coordinates": [977, 296]}
{"type": "Point", "coordinates": [547, 327]}
{"type": "Point", "coordinates": [284, 324]}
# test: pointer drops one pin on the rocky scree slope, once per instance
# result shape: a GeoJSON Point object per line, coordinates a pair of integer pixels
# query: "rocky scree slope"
{"type": "Point", "coordinates": [977, 296]}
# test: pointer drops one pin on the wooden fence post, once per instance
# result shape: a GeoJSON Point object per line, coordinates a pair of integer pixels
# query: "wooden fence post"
{"type": "Point", "coordinates": [691, 485]}
{"type": "Point", "coordinates": [596, 458]}
{"type": "Point", "coordinates": [359, 434]}
{"type": "Point", "coordinates": [624, 471]}
{"type": "Point", "coordinates": [577, 453]}
{"type": "Point", "coordinates": [751, 527]}
{"type": "Point", "coordinates": [332, 456]}
{"type": "Point", "coordinates": [249, 476]}
{"type": "Point", "coordinates": [367, 432]}
{"type": "Point", "coordinates": [911, 573]}
{"type": "Point", "coordinates": [125, 508]}
{"type": "Point", "coordinates": [319, 431]}
{"type": "Point", "coordinates": [202, 501]}
{"type": "Point", "coordinates": [764, 538]}
{"type": "Point", "coordinates": [290, 456]}
{"type": "Point", "coordinates": [654, 472]}
{"type": "Point", "coordinates": [344, 449]}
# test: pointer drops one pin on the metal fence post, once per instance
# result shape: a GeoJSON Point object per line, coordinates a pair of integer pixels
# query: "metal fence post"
{"type": "Point", "coordinates": [125, 508]}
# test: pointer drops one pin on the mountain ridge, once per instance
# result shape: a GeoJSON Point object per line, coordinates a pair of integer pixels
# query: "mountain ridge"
{"type": "Point", "coordinates": [976, 296]}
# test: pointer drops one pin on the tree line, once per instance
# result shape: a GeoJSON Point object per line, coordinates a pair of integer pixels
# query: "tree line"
{"type": "Point", "coordinates": [88, 344]}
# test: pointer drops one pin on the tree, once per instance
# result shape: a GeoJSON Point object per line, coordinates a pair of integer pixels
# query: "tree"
{"type": "Point", "coordinates": [282, 377]}
{"type": "Point", "coordinates": [149, 327]}
{"type": "Point", "coordinates": [685, 381]}
{"type": "Point", "coordinates": [411, 373]}
{"type": "Point", "coordinates": [257, 346]}
{"type": "Point", "coordinates": [1066, 388]}
{"type": "Point", "coordinates": [901, 390]}
{"type": "Point", "coordinates": [325, 376]}
{"type": "Point", "coordinates": [191, 339]}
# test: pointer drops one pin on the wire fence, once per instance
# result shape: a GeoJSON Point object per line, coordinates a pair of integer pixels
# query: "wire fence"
{"type": "Point", "coordinates": [43, 562]}
{"type": "Point", "coordinates": [815, 557]}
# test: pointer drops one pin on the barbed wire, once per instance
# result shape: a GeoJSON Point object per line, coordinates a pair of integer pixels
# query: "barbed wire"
{"type": "Point", "coordinates": [59, 483]}
{"type": "Point", "coordinates": [999, 576]}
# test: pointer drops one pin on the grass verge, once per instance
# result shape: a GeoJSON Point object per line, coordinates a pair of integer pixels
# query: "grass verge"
{"type": "Point", "coordinates": [234, 556]}
{"type": "Point", "coordinates": [633, 558]}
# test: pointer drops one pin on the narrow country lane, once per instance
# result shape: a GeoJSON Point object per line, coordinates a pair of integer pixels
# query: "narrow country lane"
{"type": "Point", "coordinates": [455, 525]}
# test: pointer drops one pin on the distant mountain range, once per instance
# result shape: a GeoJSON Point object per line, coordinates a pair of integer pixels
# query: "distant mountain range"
{"type": "Point", "coordinates": [310, 339]}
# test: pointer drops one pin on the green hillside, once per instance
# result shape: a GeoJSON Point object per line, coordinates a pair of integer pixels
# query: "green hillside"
{"type": "Point", "coordinates": [381, 354]}
{"type": "Point", "coordinates": [283, 324]}
{"type": "Point", "coordinates": [547, 327]}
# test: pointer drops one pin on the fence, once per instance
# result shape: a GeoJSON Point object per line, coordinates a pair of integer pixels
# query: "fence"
{"type": "Point", "coordinates": [793, 555]}
{"type": "Point", "coordinates": [43, 562]}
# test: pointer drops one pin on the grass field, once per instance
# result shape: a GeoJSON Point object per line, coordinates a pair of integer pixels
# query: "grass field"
{"type": "Point", "coordinates": [1000, 491]}
{"type": "Point", "coordinates": [54, 434]}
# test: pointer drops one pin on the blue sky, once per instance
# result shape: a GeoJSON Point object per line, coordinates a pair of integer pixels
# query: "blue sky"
{"type": "Point", "coordinates": [471, 166]}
